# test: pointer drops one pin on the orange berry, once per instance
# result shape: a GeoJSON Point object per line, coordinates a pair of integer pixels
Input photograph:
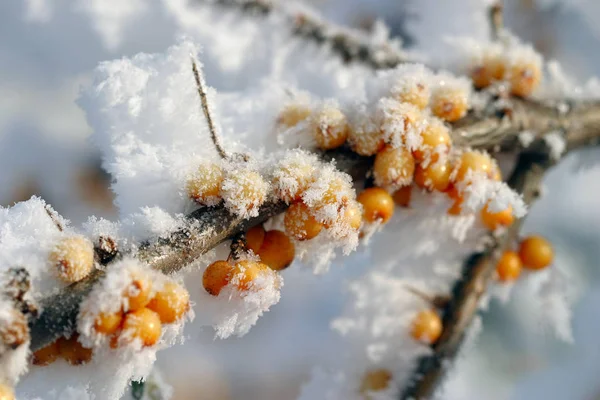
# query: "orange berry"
{"type": "Point", "coordinates": [108, 323]}
{"type": "Point", "coordinates": [375, 380]}
{"type": "Point", "coordinates": [351, 215]}
{"type": "Point", "coordinates": [6, 392]}
{"type": "Point", "coordinates": [536, 253]}
{"type": "Point", "coordinates": [456, 207]}
{"type": "Point", "coordinates": [366, 139]}
{"type": "Point", "coordinates": [477, 162]}
{"type": "Point", "coordinates": [14, 331]}
{"type": "Point", "coordinates": [292, 177]}
{"type": "Point", "coordinates": [338, 192]}
{"type": "Point", "coordinates": [137, 293]}
{"type": "Point", "coordinates": [299, 223]}
{"type": "Point", "coordinates": [490, 69]}
{"type": "Point", "coordinates": [245, 273]}
{"type": "Point", "coordinates": [143, 324]}
{"type": "Point", "coordinates": [244, 191]}
{"type": "Point", "coordinates": [171, 302]}
{"type": "Point", "coordinates": [73, 351]}
{"type": "Point", "coordinates": [204, 186]}
{"type": "Point", "coordinates": [402, 196]}
{"type": "Point", "coordinates": [277, 250]}
{"type": "Point", "coordinates": [74, 258]}
{"type": "Point", "coordinates": [509, 266]}
{"type": "Point", "coordinates": [435, 176]}
{"type": "Point", "coordinates": [436, 137]}
{"type": "Point", "coordinates": [293, 114]}
{"type": "Point", "coordinates": [524, 78]}
{"type": "Point", "coordinates": [329, 127]}
{"type": "Point", "coordinates": [415, 93]}
{"type": "Point", "coordinates": [427, 327]}
{"type": "Point", "coordinates": [46, 355]}
{"type": "Point", "coordinates": [450, 103]}
{"type": "Point", "coordinates": [255, 237]}
{"type": "Point", "coordinates": [377, 204]}
{"type": "Point", "coordinates": [493, 220]}
{"type": "Point", "coordinates": [393, 168]}
{"type": "Point", "coordinates": [216, 277]}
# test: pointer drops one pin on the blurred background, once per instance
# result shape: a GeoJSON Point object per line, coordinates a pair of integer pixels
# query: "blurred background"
{"type": "Point", "coordinates": [48, 49]}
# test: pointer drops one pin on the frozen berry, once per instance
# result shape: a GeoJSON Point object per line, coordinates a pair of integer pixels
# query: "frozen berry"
{"type": "Point", "coordinates": [277, 250]}
{"type": "Point", "coordinates": [143, 324]}
{"type": "Point", "coordinates": [427, 327]}
{"type": "Point", "coordinates": [536, 252]}
{"type": "Point", "coordinates": [450, 103]}
{"type": "Point", "coordinates": [493, 220]}
{"type": "Point", "coordinates": [509, 266]}
{"type": "Point", "coordinates": [204, 186]}
{"type": "Point", "coordinates": [436, 140]}
{"type": "Point", "coordinates": [377, 204]}
{"type": "Point", "coordinates": [414, 92]}
{"type": "Point", "coordinates": [73, 351]}
{"type": "Point", "coordinates": [329, 127]}
{"type": "Point", "coordinates": [365, 137]}
{"type": "Point", "coordinates": [524, 78]}
{"type": "Point", "coordinates": [393, 168]}
{"type": "Point", "coordinates": [245, 273]}
{"type": "Point", "coordinates": [474, 161]}
{"type": "Point", "coordinates": [46, 355]}
{"type": "Point", "coordinates": [216, 277]}
{"type": "Point", "coordinates": [293, 176]}
{"type": "Point", "coordinates": [489, 69]}
{"type": "Point", "coordinates": [138, 292]}
{"type": "Point", "coordinates": [255, 237]}
{"type": "Point", "coordinates": [244, 191]}
{"type": "Point", "coordinates": [74, 258]}
{"type": "Point", "coordinates": [171, 302]}
{"type": "Point", "coordinates": [299, 223]}
{"type": "Point", "coordinates": [108, 323]}
{"type": "Point", "coordinates": [293, 114]}
{"type": "Point", "coordinates": [375, 380]}
{"type": "Point", "coordinates": [434, 176]}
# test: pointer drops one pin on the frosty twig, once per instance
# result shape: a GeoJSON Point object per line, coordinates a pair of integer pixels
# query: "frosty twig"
{"type": "Point", "coordinates": [496, 20]}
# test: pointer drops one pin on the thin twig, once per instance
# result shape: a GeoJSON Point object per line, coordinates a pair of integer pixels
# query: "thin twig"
{"type": "Point", "coordinates": [54, 217]}
{"type": "Point", "coordinates": [496, 20]}
{"type": "Point", "coordinates": [214, 133]}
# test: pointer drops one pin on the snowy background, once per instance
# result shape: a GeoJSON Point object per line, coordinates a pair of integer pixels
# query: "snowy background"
{"type": "Point", "coordinates": [49, 49]}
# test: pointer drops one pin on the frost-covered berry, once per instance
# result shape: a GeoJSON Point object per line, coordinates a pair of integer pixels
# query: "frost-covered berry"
{"type": "Point", "coordinates": [171, 302]}
{"type": "Point", "coordinates": [399, 122]}
{"type": "Point", "coordinates": [365, 136]}
{"type": "Point", "coordinates": [427, 327]}
{"type": "Point", "coordinates": [490, 68]}
{"type": "Point", "coordinates": [73, 351]}
{"type": "Point", "coordinates": [536, 252]}
{"type": "Point", "coordinates": [300, 223]}
{"type": "Point", "coordinates": [402, 196]}
{"type": "Point", "coordinates": [335, 190]}
{"type": "Point", "coordinates": [293, 114]}
{"type": "Point", "coordinates": [329, 127]}
{"type": "Point", "coordinates": [475, 161]}
{"type": "Point", "coordinates": [375, 380]}
{"type": "Point", "coordinates": [378, 205]}
{"type": "Point", "coordinates": [73, 257]}
{"type": "Point", "coordinates": [108, 323]}
{"type": "Point", "coordinates": [351, 215]}
{"type": "Point", "coordinates": [46, 355]}
{"type": "Point", "coordinates": [509, 266]}
{"type": "Point", "coordinates": [434, 176]}
{"type": "Point", "coordinates": [216, 276]}
{"type": "Point", "coordinates": [393, 168]}
{"type": "Point", "coordinates": [450, 103]}
{"type": "Point", "coordinates": [456, 207]}
{"type": "Point", "coordinates": [204, 186]}
{"type": "Point", "coordinates": [245, 273]}
{"type": "Point", "coordinates": [14, 330]}
{"type": "Point", "coordinates": [6, 392]}
{"type": "Point", "coordinates": [244, 191]}
{"type": "Point", "coordinates": [294, 174]}
{"type": "Point", "coordinates": [138, 292]}
{"type": "Point", "coordinates": [435, 140]}
{"type": "Point", "coordinates": [414, 92]}
{"type": "Point", "coordinates": [277, 250]}
{"type": "Point", "coordinates": [143, 324]}
{"type": "Point", "coordinates": [524, 77]}
{"type": "Point", "coordinates": [493, 220]}
{"type": "Point", "coordinates": [255, 237]}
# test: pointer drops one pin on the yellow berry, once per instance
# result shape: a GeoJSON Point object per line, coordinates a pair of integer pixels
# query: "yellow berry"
{"type": "Point", "coordinates": [292, 178]}
{"type": "Point", "coordinates": [375, 380]}
{"type": "Point", "coordinates": [450, 103]}
{"type": "Point", "coordinates": [14, 331]}
{"type": "Point", "coordinates": [138, 292]}
{"type": "Point", "coordinates": [377, 204]}
{"type": "Point", "coordinates": [216, 277]}
{"type": "Point", "coordinates": [490, 69]}
{"type": "Point", "coordinates": [436, 139]}
{"type": "Point", "coordinates": [74, 258]}
{"type": "Point", "coordinates": [398, 119]}
{"type": "Point", "coordinates": [402, 196]}
{"type": "Point", "coordinates": [245, 272]}
{"type": "Point", "coordinates": [329, 127]}
{"type": "Point", "coordinates": [6, 392]}
{"type": "Point", "coordinates": [509, 266]}
{"type": "Point", "coordinates": [143, 324]}
{"type": "Point", "coordinates": [46, 355]}
{"type": "Point", "coordinates": [435, 176]}
{"type": "Point", "coordinates": [366, 139]}
{"type": "Point", "coordinates": [493, 220]}
{"type": "Point", "coordinates": [427, 327]}
{"type": "Point", "coordinates": [244, 191]}
{"type": "Point", "coordinates": [536, 253]}
{"type": "Point", "coordinates": [170, 303]}
{"type": "Point", "coordinates": [108, 323]}
{"type": "Point", "coordinates": [204, 186]}
{"type": "Point", "coordinates": [394, 167]}
{"type": "Point", "coordinates": [477, 162]}
{"type": "Point", "coordinates": [299, 223]}
{"type": "Point", "coordinates": [351, 215]}
{"type": "Point", "coordinates": [293, 114]}
{"type": "Point", "coordinates": [277, 250]}
{"type": "Point", "coordinates": [338, 192]}
{"type": "Point", "coordinates": [73, 351]}
{"type": "Point", "coordinates": [524, 78]}
{"type": "Point", "coordinates": [417, 94]}
{"type": "Point", "coordinates": [254, 238]}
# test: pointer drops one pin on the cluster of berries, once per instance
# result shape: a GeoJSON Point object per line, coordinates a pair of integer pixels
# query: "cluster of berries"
{"type": "Point", "coordinates": [535, 253]}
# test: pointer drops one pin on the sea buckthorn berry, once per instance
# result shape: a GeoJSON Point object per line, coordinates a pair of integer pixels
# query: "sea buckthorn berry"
{"type": "Point", "coordinates": [73, 351]}
{"type": "Point", "coordinates": [138, 293]}
{"type": "Point", "coordinates": [108, 323]}
{"type": "Point", "coordinates": [143, 324]}
{"type": "Point", "coordinates": [366, 138]}
{"type": "Point", "coordinates": [292, 178]}
{"type": "Point", "coordinates": [329, 127]}
{"type": "Point", "coordinates": [14, 331]}
{"type": "Point", "coordinates": [377, 204]}
{"type": "Point", "coordinates": [244, 191]}
{"type": "Point", "coordinates": [299, 223]}
{"type": "Point", "coordinates": [490, 68]}
{"type": "Point", "coordinates": [351, 215]}
{"type": "Point", "coordinates": [396, 120]}
{"type": "Point", "coordinates": [450, 103]}
{"type": "Point", "coordinates": [73, 258]}
{"type": "Point", "coordinates": [338, 192]}
{"type": "Point", "coordinates": [204, 186]}
{"type": "Point", "coordinates": [245, 273]}
{"type": "Point", "coordinates": [474, 161]}
{"type": "Point", "coordinates": [456, 207]}
{"type": "Point", "coordinates": [171, 302]}
{"type": "Point", "coordinates": [216, 277]}
{"type": "Point", "coordinates": [496, 173]}
{"type": "Point", "coordinates": [46, 355]}
{"type": "Point", "coordinates": [435, 176]}
{"type": "Point", "coordinates": [536, 252]}
{"type": "Point", "coordinates": [524, 78]}
{"type": "Point", "coordinates": [277, 250]}
{"type": "Point", "coordinates": [427, 327]}
{"type": "Point", "coordinates": [375, 380]}
{"type": "Point", "coordinates": [415, 93]}
{"type": "Point", "coordinates": [254, 238]}
{"type": "Point", "coordinates": [393, 168]}
{"type": "Point", "coordinates": [436, 139]}
{"type": "Point", "coordinates": [293, 114]}
{"type": "Point", "coordinates": [493, 220]}
{"type": "Point", "coordinates": [6, 392]}
{"type": "Point", "coordinates": [509, 266]}
{"type": "Point", "coordinates": [402, 196]}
